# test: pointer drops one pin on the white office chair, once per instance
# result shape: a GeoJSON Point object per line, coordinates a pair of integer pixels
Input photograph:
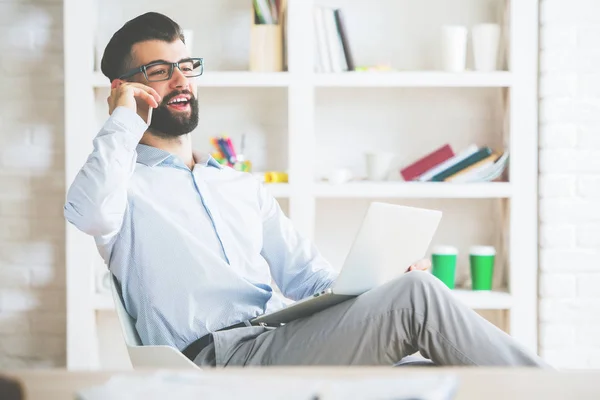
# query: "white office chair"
{"type": "Point", "coordinates": [163, 357]}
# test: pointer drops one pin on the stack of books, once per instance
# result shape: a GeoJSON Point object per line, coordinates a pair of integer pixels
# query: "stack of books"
{"type": "Point", "coordinates": [473, 164]}
{"type": "Point", "coordinates": [332, 47]}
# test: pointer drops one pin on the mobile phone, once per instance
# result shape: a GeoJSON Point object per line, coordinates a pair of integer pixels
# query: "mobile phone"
{"type": "Point", "coordinates": [144, 111]}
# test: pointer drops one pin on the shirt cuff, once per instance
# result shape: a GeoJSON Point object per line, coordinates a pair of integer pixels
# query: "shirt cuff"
{"type": "Point", "coordinates": [131, 122]}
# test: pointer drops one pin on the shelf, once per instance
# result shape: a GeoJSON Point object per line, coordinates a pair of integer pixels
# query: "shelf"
{"type": "Point", "coordinates": [279, 190]}
{"type": "Point", "coordinates": [475, 300]}
{"type": "Point", "coordinates": [413, 190]}
{"type": "Point", "coordinates": [414, 79]}
{"type": "Point", "coordinates": [103, 301]}
{"type": "Point", "coordinates": [222, 79]}
{"type": "Point", "coordinates": [483, 300]}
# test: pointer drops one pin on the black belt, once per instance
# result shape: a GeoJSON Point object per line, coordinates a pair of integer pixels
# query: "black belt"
{"type": "Point", "coordinates": [194, 348]}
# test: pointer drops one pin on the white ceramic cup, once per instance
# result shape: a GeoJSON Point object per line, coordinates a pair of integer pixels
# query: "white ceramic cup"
{"type": "Point", "coordinates": [378, 165]}
{"type": "Point", "coordinates": [454, 48]}
{"type": "Point", "coordinates": [486, 42]}
{"type": "Point", "coordinates": [339, 176]}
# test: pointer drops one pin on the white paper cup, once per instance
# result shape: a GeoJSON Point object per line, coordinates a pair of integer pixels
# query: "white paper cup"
{"type": "Point", "coordinates": [378, 165]}
{"type": "Point", "coordinates": [482, 250]}
{"type": "Point", "coordinates": [486, 42]}
{"type": "Point", "coordinates": [443, 264]}
{"type": "Point", "coordinates": [454, 48]}
{"type": "Point", "coordinates": [446, 250]}
{"type": "Point", "coordinates": [481, 260]}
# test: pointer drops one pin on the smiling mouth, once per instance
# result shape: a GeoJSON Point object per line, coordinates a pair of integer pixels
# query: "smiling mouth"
{"type": "Point", "coordinates": [179, 103]}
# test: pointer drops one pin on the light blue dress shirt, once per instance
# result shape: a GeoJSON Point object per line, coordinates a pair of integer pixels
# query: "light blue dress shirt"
{"type": "Point", "coordinates": [194, 250]}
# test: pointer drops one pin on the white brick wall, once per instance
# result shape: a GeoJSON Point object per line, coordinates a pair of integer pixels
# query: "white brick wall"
{"type": "Point", "coordinates": [32, 276]}
{"type": "Point", "coordinates": [570, 183]}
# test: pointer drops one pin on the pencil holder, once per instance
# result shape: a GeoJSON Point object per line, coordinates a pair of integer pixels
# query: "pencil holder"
{"type": "Point", "coordinates": [266, 48]}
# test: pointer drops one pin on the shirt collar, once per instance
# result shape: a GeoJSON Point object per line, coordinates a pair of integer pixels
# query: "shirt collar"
{"type": "Point", "coordinates": [152, 156]}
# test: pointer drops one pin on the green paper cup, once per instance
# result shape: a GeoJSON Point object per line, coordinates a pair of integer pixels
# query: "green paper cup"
{"type": "Point", "coordinates": [443, 264]}
{"type": "Point", "coordinates": [481, 259]}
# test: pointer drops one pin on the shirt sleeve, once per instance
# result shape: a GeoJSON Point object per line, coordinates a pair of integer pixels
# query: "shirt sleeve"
{"type": "Point", "coordinates": [97, 199]}
{"type": "Point", "coordinates": [296, 265]}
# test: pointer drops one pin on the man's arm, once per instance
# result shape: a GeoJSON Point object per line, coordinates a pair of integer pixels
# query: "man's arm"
{"type": "Point", "coordinates": [297, 267]}
{"type": "Point", "coordinates": [97, 198]}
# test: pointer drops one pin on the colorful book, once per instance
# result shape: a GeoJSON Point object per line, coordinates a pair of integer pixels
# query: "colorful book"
{"type": "Point", "coordinates": [472, 159]}
{"type": "Point", "coordinates": [448, 163]}
{"type": "Point", "coordinates": [488, 173]}
{"type": "Point", "coordinates": [424, 164]}
{"type": "Point", "coordinates": [468, 174]}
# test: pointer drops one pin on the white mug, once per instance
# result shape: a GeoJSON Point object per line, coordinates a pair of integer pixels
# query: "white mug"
{"type": "Point", "coordinates": [454, 48]}
{"type": "Point", "coordinates": [339, 176]}
{"type": "Point", "coordinates": [486, 42]}
{"type": "Point", "coordinates": [378, 165]}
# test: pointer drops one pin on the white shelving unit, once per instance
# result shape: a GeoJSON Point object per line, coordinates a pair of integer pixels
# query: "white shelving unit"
{"type": "Point", "coordinates": [412, 111]}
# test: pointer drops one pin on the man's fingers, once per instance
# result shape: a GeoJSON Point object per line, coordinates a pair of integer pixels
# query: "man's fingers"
{"type": "Point", "coordinates": [148, 90]}
{"type": "Point", "coordinates": [421, 265]}
{"type": "Point", "coordinates": [146, 96]}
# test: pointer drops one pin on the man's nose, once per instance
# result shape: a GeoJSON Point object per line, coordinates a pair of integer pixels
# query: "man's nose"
{"type": "Point", "coordinates": [179, 80]}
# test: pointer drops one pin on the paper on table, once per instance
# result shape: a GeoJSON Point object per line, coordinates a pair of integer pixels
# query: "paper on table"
{"type": "Point", "coordinates": [415, 387]}
{"type": "Point", "coordinates": [197, 385]}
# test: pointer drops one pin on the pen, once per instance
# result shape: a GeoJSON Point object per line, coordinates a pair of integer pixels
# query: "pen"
{"type": "Point", "coordinates": [223, 148]}
{"type": "Point", "coordinates": [231, 150]}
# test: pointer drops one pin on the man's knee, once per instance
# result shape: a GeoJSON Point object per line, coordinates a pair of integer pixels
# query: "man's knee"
{"type": "Point", "coordinates": [412, 290]}
{"type": "Point", "coordinates": [406, 289]}
{"type": "Point", "coordinates": [419, 282]}
{"type": "Point", "coordinates": [420, 278]}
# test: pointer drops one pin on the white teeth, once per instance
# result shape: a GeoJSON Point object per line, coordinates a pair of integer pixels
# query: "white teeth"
{"type": "Point", "coordinates": [179, 100]}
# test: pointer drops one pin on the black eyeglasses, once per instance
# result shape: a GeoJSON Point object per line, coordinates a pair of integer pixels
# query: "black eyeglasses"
{"type": "Point", "coordinates": [157, 71]}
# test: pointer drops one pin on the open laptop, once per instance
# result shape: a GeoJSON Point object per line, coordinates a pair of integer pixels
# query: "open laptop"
{"type": "Point", "coordinates": [390, 239]}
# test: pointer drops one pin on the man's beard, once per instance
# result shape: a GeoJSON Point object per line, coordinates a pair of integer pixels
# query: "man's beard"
{"type": "Point", "coordinates": [168, 124]}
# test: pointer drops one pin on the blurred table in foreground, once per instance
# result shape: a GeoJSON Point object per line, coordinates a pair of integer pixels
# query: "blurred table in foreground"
{"type": "Point", "coordinates": [473, 383]}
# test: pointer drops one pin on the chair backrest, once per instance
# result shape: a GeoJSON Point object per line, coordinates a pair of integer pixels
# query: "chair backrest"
{"type": "Point", "coordinates": [145, 356]}
{"type": "Point", "coordinates": [127, 323]}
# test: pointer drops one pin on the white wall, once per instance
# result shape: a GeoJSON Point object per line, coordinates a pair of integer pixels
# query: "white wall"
{"type": "Point", "coordinates": [570, 183]}
{"type": "Point", "coordinates": [32, 300]}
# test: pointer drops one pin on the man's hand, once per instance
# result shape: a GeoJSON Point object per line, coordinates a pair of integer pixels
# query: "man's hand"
{"type": "Point", "coordinates": [421, 265]}
{"type": "Point", "coordinates": [125, 94]}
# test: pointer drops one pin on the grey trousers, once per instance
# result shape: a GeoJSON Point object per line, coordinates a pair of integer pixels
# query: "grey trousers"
{"type": "Point", "coordinates": [415, 312]}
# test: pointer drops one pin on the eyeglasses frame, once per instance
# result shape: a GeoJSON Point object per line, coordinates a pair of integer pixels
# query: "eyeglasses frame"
{"type": "Point", "coordinates": [171, 65]}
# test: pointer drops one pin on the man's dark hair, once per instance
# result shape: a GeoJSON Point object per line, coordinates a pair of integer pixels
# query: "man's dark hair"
{"type": "Point", "coordinates": [150, 26]}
